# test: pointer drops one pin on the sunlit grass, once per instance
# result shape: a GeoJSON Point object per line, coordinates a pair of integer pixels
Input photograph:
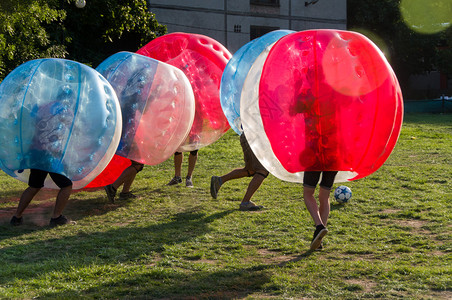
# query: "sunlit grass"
{"type": "Point", "coordinates": [393, 240]}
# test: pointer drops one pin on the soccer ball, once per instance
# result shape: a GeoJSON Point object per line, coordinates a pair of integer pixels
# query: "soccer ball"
{"type": "Point", "coordinates": [342, 194]}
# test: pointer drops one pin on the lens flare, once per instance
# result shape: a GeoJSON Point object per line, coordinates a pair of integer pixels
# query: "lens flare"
{"type": "Point", "coordinates": [80, 3]}
{"type": "Point", "coordinates": [427, 17]}
{"type": "Point", "coordinates": [376, 39]}
{"type": "Point", "coordinates": [350, 66]}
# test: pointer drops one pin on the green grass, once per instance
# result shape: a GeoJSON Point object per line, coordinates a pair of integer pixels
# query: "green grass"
{"type": "Point", "coordinates": [392, 241]}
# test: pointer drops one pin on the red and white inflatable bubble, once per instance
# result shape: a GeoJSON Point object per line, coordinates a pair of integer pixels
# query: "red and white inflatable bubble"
{"type": "Point", "coordinates": [111, 172]}
{"type": "Point", "coordinates": [157, 106]}
{"type": "Point", "coordinates": [332, 103]}
{"type": "Point", "coordinates": [203, 60]}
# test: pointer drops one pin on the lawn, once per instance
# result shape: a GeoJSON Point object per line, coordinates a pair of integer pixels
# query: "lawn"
{"type": "Point", "coordinates": [391, 241]}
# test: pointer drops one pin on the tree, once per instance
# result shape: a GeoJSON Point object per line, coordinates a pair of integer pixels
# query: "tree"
{"type": "Point", "coordinates": [444, 61]}
{"type": "Point", "coordinates": [410, 52]}
{"type": "Point", "coordinates": [23, 36]}
{"type": "Point", "coordinates": [105, 27]}
{"type": "Point", "coordinates": [31, 29]}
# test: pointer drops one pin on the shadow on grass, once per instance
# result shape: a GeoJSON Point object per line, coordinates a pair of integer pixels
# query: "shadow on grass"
{"type": "Point", "coordinates": [144, 248]}
{"type": "Point", "coordinates": [336, 206]}
{"type": "Point", "coordinates": [81, 204]}
{"type": "Point", "coordinates": [165, 284]}
{"type": "Point", "coordinates": [163, 281]}
{"type": "Point", "coordinates": [10, 195]}
{"type": "Point", "coordinates": [123, 244]}
{"type": "Point", "coordinates": [37, 214]}
{"type": "Point", "coordinates": [157, 282]}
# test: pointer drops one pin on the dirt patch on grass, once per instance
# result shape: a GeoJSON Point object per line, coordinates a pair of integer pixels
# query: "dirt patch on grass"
{"type": "Point", "coordinates": [368, 257]}
{"type": "Point", "coordinates": [207, 261]}
{"type": "Point", "coordinates": [38, 213]}
{"type": "Point", "coordinates": [389, 211]}
{"type": "Point", "coordinates": [124, 223]}
{"type": "Point", "coordinates": [367, 285]}
{"type": "Point", "coordinates": [232, 295]}
{"type": "Point", "coordinates": [9, 200]}
{"type": "Point", "coordinates": [442, 295]}
{"type": "Point", "coordinates": [275, 257]}
{"type": "Point", "coordinates": [416, 225]}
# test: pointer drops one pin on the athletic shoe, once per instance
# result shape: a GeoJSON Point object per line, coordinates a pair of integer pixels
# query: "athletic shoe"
{"type": "Point", "coordinates": [319, 248]}
{"type": "Point", "coordinates": [250, 206]}
{"type": "Point", "coordinates": [175, 180]}
{"type": "Point", "coordinates": [111, 193]}
{"type": "Point", "coordinates": [127, 195]}
{"type": "Point", "coordinates": [188, 182]}
{"type": "Point", "coordinates": [319, 233]}
{"type": "Point", "coordinates": [61, 220]}
{"type": "Point", "coordinates": [215, 184]}
{"type": "Point", "coordinates": [15, 221]}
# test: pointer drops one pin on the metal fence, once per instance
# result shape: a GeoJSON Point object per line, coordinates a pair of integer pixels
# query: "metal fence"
{"type": "Point", "coordinates": [442, 105]}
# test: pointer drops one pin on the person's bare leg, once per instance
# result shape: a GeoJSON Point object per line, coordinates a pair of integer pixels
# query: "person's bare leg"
{"type": "Point", "coordinates": [178, 164]}
{"type": "Point", "coordinates": [324, 204]}
{"type": "Point", "coordinates": [313, 208]}
{"type": "Point", "coordinates": [311, 204]}
{"type": "Point", "coordinates": [128, 182]}
{"type": "Point", "coordinates": [61, 201]}
{"type": "Point", "coordinates": [125, 176]}
{"type": "Point", "coordinates": [234, 174]}
{"type": "Point", "coordinates": [191, 164]}
{"type": "Point", "coordinates": [254, 184]}
{"type": "Point", "coordinates": [25, 200]}
{"type": "Point", "coordinates": [216, 182]}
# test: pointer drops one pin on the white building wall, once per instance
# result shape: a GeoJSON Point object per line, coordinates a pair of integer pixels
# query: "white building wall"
{"type": "Point", "coordinates": [229, 21]}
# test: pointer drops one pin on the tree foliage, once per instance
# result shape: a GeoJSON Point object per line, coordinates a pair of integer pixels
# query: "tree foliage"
{"type": "Point", "coordinates": [409, 52]}
{"type": "Point", "coordinates": [31, 29]}
{"type": "Point", "coordinates": [105, 27]}
{"type": "Point", "coordinates": [444, 60]}
{"type": "Point", "coordinates": [23, 33]}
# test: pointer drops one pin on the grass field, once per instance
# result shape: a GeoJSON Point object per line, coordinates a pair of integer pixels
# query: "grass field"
{"type": "Point", "coordinates": [392, 241]}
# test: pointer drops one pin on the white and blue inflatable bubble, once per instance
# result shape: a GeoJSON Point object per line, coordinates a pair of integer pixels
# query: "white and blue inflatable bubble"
{"type": "Point", "coordinates": [236, 71]}
{"type": "Point", "coordinates": [58, 116]}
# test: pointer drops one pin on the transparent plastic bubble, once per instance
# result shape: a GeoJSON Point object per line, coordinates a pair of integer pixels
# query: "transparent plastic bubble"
{"type": "Point", "coordinates": [202, 59]}
{"type": "Point", "coordinates": [252, 122]}
{"type": "Point", "coordinates": [313, 115]}
{"type": "Point", "coordinates": [157, 104]}
{"type": "Point", "coordinates": [57, 121]}
{"type": "Point", "coordinates": [111, 172]}
{"type": "Point", "coordinates": [235, 73]}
